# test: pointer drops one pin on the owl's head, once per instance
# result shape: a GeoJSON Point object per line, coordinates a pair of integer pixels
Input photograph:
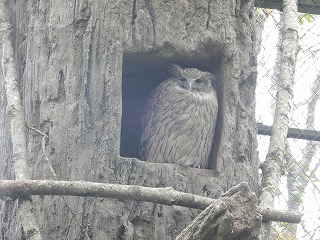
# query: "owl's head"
{"type": "Point", "coordinates": [192, 79]}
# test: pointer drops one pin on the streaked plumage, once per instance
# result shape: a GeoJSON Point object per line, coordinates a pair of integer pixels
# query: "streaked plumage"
{"type": "Point", "coordinates": [179, 121]}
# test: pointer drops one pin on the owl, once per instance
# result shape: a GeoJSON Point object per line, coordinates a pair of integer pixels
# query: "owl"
{"type": "Point", "coordinates": [179, 120]}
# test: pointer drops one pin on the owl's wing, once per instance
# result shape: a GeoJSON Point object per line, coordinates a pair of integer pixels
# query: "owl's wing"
{"type": "Point", "coordinates": [152, 113]}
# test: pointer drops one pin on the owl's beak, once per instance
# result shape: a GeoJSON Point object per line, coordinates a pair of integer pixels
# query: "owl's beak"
{"type": "Point", "coordinates": [188, 85]}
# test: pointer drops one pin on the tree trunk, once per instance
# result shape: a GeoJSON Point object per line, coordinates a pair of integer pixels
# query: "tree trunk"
{"type": "Point", "coordinates": [80, 67]}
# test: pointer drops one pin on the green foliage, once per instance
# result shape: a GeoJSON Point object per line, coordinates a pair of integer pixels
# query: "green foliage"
{"type": "Point", "coordinates": [299, 199]}
{"type": "Point", "coordinates": [306, 16]}
{"type": "Point", "coordinates": [286, 236]}
{"type": "Point", "coordinates": [283, 232]}
{"type": "Point", "coordinates": [283, 224]}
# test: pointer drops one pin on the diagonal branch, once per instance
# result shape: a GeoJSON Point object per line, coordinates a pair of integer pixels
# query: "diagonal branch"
{"type": "Point", "coordinates": [272, 168]}
{"type": "Point", "coordinates": [235, 216]}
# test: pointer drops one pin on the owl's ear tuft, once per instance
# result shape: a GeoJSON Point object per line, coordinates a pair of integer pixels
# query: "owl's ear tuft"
{"type": "Point", "coordinates": [175, 70]}
{"type": "Point", "coordinates": [214, 81]}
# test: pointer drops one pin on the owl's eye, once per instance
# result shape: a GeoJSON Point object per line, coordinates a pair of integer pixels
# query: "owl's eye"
{"type": "Point", "coordinates": [182, 79]}
{"type": "Point", "coordinates": [199, 81]}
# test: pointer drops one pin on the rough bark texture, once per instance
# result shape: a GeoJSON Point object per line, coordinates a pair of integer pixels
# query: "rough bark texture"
{"type": "Point", "coordinates": [274, 163]}
{"type": "Point", "coordinates": [235, 216]}
{"type": "Point", "coordinates": [70, 61]}
{"type": "Point", "coordinates": [15, 113]}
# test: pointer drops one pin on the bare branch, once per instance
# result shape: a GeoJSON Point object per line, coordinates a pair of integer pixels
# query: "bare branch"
{"type": "Point", "coordinates": [166, 196]}
{"type": "Point", "coordinates": [273, 166]}
{"type": "Point", "coordinates": [282, 216]}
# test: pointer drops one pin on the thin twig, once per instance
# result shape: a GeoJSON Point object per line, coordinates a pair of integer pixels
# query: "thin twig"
{"type": "Point", "coordinates": [36, 130]}
{"type": "Point", "coordinates": [43, 143]}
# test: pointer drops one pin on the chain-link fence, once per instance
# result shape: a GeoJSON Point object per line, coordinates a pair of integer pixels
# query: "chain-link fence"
{"type": "Point", "coordinates": [300, 185]}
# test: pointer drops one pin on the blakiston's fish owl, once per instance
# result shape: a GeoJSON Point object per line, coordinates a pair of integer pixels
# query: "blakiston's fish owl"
{"type": "Point", "coordinates": [179, 120]}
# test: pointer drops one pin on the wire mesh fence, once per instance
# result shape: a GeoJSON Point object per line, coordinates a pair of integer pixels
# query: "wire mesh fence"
{"type": "Point", "coordinates": [300, 185]}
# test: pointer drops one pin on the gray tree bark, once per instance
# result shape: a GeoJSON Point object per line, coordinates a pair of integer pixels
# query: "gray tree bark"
{"type": "Point", "coordinates": [15, 114]}
{"type": "Point", "coordinates": [70, 60]}
{"type": "Point", "coordinates": [274, 163]}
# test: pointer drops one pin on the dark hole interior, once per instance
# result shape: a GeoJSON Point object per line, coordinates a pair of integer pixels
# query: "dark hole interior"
{"type": "Point", "coordinates": [141, 73]}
